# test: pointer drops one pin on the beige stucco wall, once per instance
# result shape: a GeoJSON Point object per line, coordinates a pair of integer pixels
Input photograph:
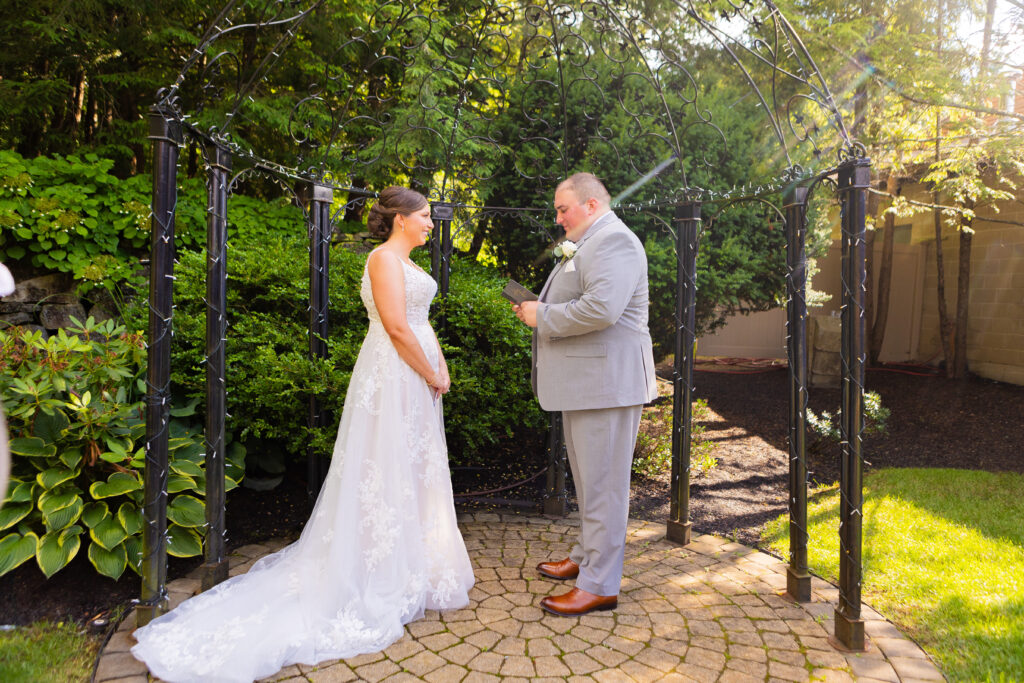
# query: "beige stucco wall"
{"type": "Point", "coordinates": [995, 335]}
{"type": "Point", "coordinates": [995, 330]}
{"type": "Point", "coordinates": [995, 326]}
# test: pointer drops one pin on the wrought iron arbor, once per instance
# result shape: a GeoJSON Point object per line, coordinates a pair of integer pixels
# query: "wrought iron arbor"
{"type": "Point", "coordinates": [460, 103]}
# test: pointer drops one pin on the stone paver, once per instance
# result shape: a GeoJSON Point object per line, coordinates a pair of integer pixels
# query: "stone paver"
{"type": "Point", "coordinates": [711, 611]}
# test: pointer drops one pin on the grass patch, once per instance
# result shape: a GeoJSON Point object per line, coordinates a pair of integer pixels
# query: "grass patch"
{"type": "Point", "coordinates": [44, 651]}
{"type": "Point", "coordinates": [943, 559]}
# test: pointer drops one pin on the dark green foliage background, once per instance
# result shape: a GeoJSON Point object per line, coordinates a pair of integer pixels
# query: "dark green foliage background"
{"type": "Point", "coordinates": [270, 376]}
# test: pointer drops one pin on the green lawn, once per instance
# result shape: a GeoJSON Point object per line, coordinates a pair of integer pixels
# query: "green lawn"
{"type": "Point", "coordinates": [943, 559]}
{"type": "Point", "coordinates": [44, 651]}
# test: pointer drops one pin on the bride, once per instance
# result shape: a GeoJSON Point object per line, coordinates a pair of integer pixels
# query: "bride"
{"type": "Point", "coordinates": [382, 544]}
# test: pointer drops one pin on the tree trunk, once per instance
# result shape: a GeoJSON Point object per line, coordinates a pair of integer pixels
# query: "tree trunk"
{"type": "Point", "coordinates": [73, 119]}
{"type": "Point", "coordinates": [945, 326]}
{"type": "Point", "coordinates": [963, 293]}
{"type": "Point", "coordinates": [869, 270]}
{"type": "Point", "coordinates": [90, 115]}
{"type": "Point", "coordinates": [478, 238]}
{"type": "Point", "coordinates": [884, 275]}
{"type": "Point", "coordinates": [355, 206]}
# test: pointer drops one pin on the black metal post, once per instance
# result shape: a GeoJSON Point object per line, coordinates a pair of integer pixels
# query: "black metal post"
{"type": "Point", "coordinates": [215, 566]}
{"type": "Point", "coordinates": [165, 132]}
{"type": "Point", "coordinates": [555, 498]}
{"type": "Point", "coordinates": [798, 580]}
{"type": "Point", "coordinates": [319, 275]}
{"type": "Point", "coordinates": [687, 224]}
{"type": "Point", "coordinates": [854, 177]}
{"type": "Point", "coordinates": [435, 245]}
{"type": "Point", "coordinates": [441, 245]}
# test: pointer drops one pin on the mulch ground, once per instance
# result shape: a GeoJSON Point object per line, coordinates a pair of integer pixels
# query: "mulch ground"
{"type": "Point", "coordinates": [935, 422]}
{"type": "Point", "coordinates": [976, 424]}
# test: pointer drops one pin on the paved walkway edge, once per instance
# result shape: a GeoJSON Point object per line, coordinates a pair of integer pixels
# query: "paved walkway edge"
{"type": "Point", "coordinates": [709, 611]}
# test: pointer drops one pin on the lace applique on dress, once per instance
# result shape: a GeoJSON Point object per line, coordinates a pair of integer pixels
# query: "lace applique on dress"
{"type": "Point", "coordinates": [379, 517]}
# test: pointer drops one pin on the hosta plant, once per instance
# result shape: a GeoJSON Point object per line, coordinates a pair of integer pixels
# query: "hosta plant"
{"type": "Point", "coordinates": [77, 426]}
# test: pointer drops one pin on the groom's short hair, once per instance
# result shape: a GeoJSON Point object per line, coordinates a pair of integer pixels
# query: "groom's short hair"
{"type": "Point", "coordinates": [586, 186]}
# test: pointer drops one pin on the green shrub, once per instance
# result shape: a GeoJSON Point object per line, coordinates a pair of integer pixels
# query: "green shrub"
{"type": "Point", "coordinates": [270, 376]}
{"type": "Point", "coordinates": [77, 425]}
{"type": "Point", "coordinates": [652, 454]}
{"type": "Point", "coordinates": [489, 358]}
{"type": "Point", "coordinates": [69, 214]}
{"type": "Point", "coordinates": [824, 428]}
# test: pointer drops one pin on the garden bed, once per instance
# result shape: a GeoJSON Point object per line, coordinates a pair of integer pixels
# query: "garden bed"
{"type": "Point", "coordinates": [935, 423]}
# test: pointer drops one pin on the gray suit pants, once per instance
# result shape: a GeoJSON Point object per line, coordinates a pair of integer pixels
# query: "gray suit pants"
{"type": "Point", "coordinates": [600, 446]}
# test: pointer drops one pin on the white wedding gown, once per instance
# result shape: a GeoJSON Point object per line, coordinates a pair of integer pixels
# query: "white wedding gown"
{"type": "Point", "coordinates": [381, 546]}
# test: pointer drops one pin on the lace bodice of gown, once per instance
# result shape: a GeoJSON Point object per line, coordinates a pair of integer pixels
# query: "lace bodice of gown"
{"type": "Point", "coordinates": [420, 289]}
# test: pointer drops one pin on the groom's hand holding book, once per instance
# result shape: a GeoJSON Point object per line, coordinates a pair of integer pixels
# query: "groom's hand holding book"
{"type": "Point", "coordinates": [524, 302]}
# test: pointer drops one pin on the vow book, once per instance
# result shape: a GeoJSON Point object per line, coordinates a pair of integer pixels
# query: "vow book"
{"type": "Point", "coordinates": [517, 294]}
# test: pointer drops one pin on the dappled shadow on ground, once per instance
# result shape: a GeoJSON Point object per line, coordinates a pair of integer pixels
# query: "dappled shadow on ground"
{"type": "Point", "coordinates": [935, 422]}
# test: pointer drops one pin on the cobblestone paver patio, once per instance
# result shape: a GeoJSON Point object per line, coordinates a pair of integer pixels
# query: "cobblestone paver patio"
{"type": "Point", "coordinates": [709, 611]}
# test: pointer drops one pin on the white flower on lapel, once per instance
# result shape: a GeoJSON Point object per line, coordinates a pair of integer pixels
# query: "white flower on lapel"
{"type": "Point", "coordinates": [565, 250]}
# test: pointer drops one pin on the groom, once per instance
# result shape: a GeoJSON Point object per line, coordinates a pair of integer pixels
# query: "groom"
{"type": "Point", "coordinates": [592, 361]}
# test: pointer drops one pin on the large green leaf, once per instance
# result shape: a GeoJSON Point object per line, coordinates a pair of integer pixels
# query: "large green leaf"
{"type": "Point", "coordinates": [177, 483]}
{"type": "Point", "coordinates": [118, 484]}
{"type": "Point", "coordinates": [187, 468]}
{"type": "Point", "coordinates": [130, 517]}
{"type": "Point", "coordinates": [52, 501]}
{"type": "Point", "coordinates": [109, 533]}
{"type": "Point", "coordinates": [108, 562]}
{"type": "Point", "coordinates": [118, 450]}
{"type": "Point", "coordinates": [133, 552]}
{"type": "Point", "coordinates": [57, 548]}
{"type": "Point", "coordinates": [64, 517]}
{"type": "Point", "coordinates": [20, 491]}
{"type": "Point", "coordinates": [12, 513]}
{"type": "Point", "coordinates": [182, 542]}
{"type": "Point", "coordinates": [49, 427]}
{"type": "Point", "coordinates": [71, 457]}
{"type": "Point", "coordinates": [32, 447]}
{"type": "Point", "coordinates": [187, 511]}
{"type": "Point", "coordinates": [54, 477]}
{"type": "Point", "coordinates": [178, 442]}
{"type": "Point", "coordinates": [15, 549]}
{"type": "Point", "coordinates": [94, 513]}
{"type": "Point", "coordinates": [186, 410]}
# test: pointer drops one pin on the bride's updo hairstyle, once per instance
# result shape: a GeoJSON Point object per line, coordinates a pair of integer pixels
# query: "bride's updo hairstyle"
{"type": "Point", "coordinates": [393, 201]}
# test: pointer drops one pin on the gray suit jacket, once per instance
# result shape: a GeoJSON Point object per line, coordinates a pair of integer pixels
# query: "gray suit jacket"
{"type": "Point", "coordinates": [591, 346]}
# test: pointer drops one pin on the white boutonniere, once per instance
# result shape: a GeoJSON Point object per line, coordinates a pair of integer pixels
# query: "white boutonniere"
{"type": "Point", "coordinates": [565, 250]}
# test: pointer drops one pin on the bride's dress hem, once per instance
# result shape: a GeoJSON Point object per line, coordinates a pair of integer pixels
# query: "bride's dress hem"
{"type": "Point", "coordinates": [382, 544]}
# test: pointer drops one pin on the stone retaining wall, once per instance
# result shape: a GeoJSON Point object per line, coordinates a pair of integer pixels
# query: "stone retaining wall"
{"type": "Point", "coordinates": [48, 302]}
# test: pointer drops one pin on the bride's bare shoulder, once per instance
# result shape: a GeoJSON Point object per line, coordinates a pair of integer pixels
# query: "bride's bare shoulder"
{"type": "Point", "coordinates": [384, 266]}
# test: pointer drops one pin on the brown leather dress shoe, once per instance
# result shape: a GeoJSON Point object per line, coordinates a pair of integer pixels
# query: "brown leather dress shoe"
{"type": "Point", "coordinates": [565, 569]}
{"type": "Point", "coordinates": [578, 602]}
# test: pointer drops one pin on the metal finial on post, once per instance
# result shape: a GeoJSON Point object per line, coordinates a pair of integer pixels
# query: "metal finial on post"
{"type": "Point", "coordinates": [165, 132]}
{"type": "Point", "coordinates": [798, 580]}
{"type": "Point", "coordinates": [687, 224]}
{"type": "Point", "coordinates": [441, 246]}
{"type": "Point", "coordinates": [854, 177]}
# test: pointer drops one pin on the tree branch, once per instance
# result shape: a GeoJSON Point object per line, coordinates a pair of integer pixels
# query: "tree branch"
{"type": "Point", "coordinates": [943, 207]}
{"type": "Point", "coordinates": [873, 72]}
